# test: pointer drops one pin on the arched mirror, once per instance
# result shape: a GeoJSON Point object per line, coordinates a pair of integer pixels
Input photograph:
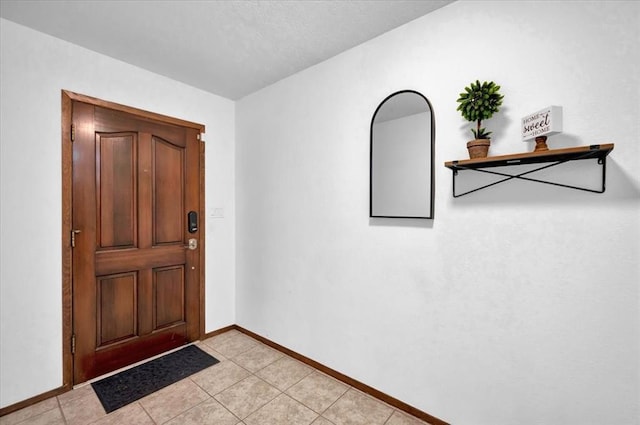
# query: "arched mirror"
{"type": "Point", "coordinates": [402, 145]}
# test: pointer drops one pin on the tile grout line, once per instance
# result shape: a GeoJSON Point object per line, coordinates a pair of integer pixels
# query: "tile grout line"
{"type": "Point", "coordinates": [211, 397]}
{"type": "Point", "coordinates": [280, 393]}
{"type": "Point", "coordinates": [146, 413]}
{"type": "Point", "coordinates": [338, 399]}
{"type": "Point", "coordinates": [64, 418]}
{"type": "Point", "coordinates": [255, 374]}
{"type": "Point", "coordinates": [284, 391]}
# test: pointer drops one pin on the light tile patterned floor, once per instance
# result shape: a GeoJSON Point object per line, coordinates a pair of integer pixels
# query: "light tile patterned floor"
{"type": "Point", "coordinates": [252, 385]}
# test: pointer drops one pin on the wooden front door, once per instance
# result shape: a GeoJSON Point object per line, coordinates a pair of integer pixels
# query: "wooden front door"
{"type": "Point", "coordinates": [135, 278]}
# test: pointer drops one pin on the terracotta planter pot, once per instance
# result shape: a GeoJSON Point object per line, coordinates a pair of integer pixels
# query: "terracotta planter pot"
{"type": "Point", "coordinates": [478, 148]}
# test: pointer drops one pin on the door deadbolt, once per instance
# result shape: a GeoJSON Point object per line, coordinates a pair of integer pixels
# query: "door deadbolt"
{"type": "Point", "coordinates": [193, 244]}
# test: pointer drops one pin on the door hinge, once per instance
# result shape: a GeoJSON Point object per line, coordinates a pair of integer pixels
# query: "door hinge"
{"type": "Point", "coordinates": [73, 344]}
{"type": "Point", "coordinates": [199, 136]}
{"type": "Point", "coordinates": [73, 237]}
{"type": "Point", "coordinates": [73, 132]}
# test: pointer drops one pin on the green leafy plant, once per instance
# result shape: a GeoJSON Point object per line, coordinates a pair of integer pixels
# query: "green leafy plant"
{"type": "Point", "coordinates": [479, 102]}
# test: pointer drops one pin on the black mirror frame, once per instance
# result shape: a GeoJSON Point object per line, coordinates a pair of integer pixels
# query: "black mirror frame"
{"type": "Point", "coordinates": [432, 164]}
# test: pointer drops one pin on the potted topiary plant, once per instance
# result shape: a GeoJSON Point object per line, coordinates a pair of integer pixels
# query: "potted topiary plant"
{"type": "Point", "coordinates": [479, 102]}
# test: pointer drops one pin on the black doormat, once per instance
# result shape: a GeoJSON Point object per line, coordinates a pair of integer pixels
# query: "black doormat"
{"type": "Point", "coordinates": [133, 384]}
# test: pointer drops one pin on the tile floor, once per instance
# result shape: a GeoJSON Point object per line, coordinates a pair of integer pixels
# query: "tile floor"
{"type": "Point", "coordinates": [252, 385]}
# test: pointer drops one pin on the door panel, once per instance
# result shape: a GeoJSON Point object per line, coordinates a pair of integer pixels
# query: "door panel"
{"type": "Point", "coordinates": [168, 192]}
{"type": "Point", "coordinates": [117, 308]}
{"type": "Point", "coordinates": [169, 296]}
{"type": "Point", "coordinates": [135, 286]}
{"type": "Point", "coordinates": [117, 192]}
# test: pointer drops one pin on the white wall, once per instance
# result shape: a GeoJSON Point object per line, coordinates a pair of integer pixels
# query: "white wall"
{"type": "Point", "coordinates": [519, 304]}
{"type": "Point", "coordinates": [35, 68]}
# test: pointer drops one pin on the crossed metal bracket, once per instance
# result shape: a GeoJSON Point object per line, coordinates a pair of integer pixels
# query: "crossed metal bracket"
{"type": "Point", "coordinates": [601, 160]}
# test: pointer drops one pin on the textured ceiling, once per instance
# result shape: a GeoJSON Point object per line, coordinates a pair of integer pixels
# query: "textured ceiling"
{"type": "Point", "coordinates": [229, 48]}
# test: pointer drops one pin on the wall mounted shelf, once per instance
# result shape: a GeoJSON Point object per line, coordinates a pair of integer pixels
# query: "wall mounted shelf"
{"type": "Point", "coordinates": [550, 157]}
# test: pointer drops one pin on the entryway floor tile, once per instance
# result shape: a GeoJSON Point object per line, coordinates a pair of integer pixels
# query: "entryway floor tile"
{"type": "Point", "coordinates": [252, 385]}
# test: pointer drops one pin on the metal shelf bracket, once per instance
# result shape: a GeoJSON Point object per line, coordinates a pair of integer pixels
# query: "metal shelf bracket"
{"type": "Point", "coordinates": [593, 152]}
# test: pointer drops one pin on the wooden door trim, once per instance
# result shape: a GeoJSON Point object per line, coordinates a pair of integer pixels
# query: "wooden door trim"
{"type": "Point", "coordinates": [67, 299]}
{"type": "Point", "coordinates": [141, 113]}
{"type": "Point", "coordinates": [67, 162]}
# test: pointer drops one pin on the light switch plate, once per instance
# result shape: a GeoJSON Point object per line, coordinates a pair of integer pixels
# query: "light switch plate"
{"type": "Point", "coordinates": [217, 213]}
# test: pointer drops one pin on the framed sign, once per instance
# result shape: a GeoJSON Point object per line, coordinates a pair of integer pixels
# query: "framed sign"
{"type": "Point", "coordinates": [545, 122]}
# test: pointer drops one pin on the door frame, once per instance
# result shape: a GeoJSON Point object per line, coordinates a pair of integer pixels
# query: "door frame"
{"type": "Point", "coordinates": [68, 97]}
